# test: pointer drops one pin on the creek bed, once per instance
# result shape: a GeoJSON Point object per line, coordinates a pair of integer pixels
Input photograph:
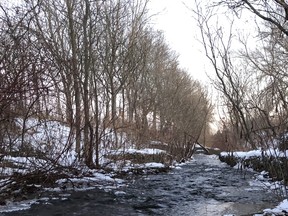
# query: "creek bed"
{"type": "Point", "coordinates": [204, 186]}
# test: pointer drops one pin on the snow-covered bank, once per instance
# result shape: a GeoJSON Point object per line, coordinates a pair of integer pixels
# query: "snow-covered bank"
{"type": "Point", "coordinates": [16, 196]}
{"type": "Point", "coordinates": [281, 209]}
{"type": "Point", "coordinates": [272, 161]}
{"type": "Point", "coordinates": [256, 153]}
{"type": "Point", "coordinates": [42, 157]}
{"type": "Point", "coordinates": [273, 173]}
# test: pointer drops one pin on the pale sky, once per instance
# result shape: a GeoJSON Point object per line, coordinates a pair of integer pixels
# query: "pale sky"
{"type": "Point", "coordinates": [180, 31]}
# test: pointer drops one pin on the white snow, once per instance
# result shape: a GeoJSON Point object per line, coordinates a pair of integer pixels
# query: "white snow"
{"type": "Point", "coordinates": [257, 153]}
{"type": "Point", "coordinates": [52, 138]}
{"type": "Point", "coordinates": [87, 183]}
{"type": "Point", "coordinates": [119, 193]}
{"type": "Point", "coordinates": [260, 180]}
{"type": "Point", "coordinates": [102, 177]}
{"type": "Point", "coordinates": [154, 165]}
{"type": "Point", "coordinates": [145, 151]}
{"type": "Point", "coordinates": [17, 206]}
{"type": "Point", "coordinates": [177, 167]}
{"type": "Point", "coordinates": [281, 208]}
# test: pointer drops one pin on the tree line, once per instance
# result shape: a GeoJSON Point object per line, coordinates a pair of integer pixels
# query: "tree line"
{"type": "Point", "coordinates": [99, 68]}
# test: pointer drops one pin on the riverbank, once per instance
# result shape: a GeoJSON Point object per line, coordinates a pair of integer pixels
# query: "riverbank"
{"type": "Point", "coordinates": [194, 176]}
{"type": "Point", "coordinates": [21, 187]}
{"type": "Point", "coordinates": [202, 186]}
{"type": "Point", "coordinates": [273, 162]}
{"type": "Point", "coordinates": [272, 168]}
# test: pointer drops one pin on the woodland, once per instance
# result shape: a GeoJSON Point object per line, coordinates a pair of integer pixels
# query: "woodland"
{"type": "Point", "coordinates": [82, 78]}
{"type": "Point", "coordinates": [248, 54]}
{"type": "Point", "coordinates": [100, 69]}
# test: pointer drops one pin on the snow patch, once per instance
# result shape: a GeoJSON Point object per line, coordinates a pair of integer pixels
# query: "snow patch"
{"type": "Point", "coordinates": [281, 208]}
{"type": "Point", "coordinates": [120, 193]}
{"type": "Point", "coordinates": [145, 151]}
{"type": "Point", "coordinates": [154, 165]}
{"type": "Point", "coordinates": [256, 153]}
{"type": "Point", "coordinates": [17, 206]}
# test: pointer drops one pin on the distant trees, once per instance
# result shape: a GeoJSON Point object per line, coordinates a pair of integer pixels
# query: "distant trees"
{"type": "Point", "coordinates": [98, 67]}
{"type": "Point", "coordinates": [252, 80]}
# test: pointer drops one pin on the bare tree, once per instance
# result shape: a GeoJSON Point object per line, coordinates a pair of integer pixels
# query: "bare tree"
{"type": "Point", "coordinates": [231, 81]}
{"type": "Point", "coordinates": [25, 81]}
{"type": "Point", "coordinates": [253, 83]}
{"type": "Point", "coordinates": [273, 12]}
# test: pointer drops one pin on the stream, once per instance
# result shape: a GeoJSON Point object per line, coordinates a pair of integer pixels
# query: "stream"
{"type": "Point", "coordinates": [204, 186]}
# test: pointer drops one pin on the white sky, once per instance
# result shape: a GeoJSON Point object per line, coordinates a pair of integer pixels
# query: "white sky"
{"type": "Point", "coordinates": [180, 30]}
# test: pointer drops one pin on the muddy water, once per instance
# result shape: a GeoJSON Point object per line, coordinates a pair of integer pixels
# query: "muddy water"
{"type": "Point", "coordinates": [203, 187]}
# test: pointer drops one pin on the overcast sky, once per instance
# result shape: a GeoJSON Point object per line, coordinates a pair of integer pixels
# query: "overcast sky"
{"type": "Point", "coordinates": [175, 19]}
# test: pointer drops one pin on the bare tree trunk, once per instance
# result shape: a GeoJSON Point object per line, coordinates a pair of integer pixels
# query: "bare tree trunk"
{"type": "Point", "coordinates": [88, 149]}
{"type": "Point", "coordinates": [75, 73]}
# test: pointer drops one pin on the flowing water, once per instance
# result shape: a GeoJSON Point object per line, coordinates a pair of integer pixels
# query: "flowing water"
{"type": "Point", "coordinates": [204, 186]}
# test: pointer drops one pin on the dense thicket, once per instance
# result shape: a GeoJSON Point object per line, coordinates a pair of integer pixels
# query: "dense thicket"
{"type": "Point", "coordinates": [99, 68]}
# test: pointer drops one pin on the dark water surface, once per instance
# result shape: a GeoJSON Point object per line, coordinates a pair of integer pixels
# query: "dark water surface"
{"type": "Point", "coordinates": [202, 187]}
